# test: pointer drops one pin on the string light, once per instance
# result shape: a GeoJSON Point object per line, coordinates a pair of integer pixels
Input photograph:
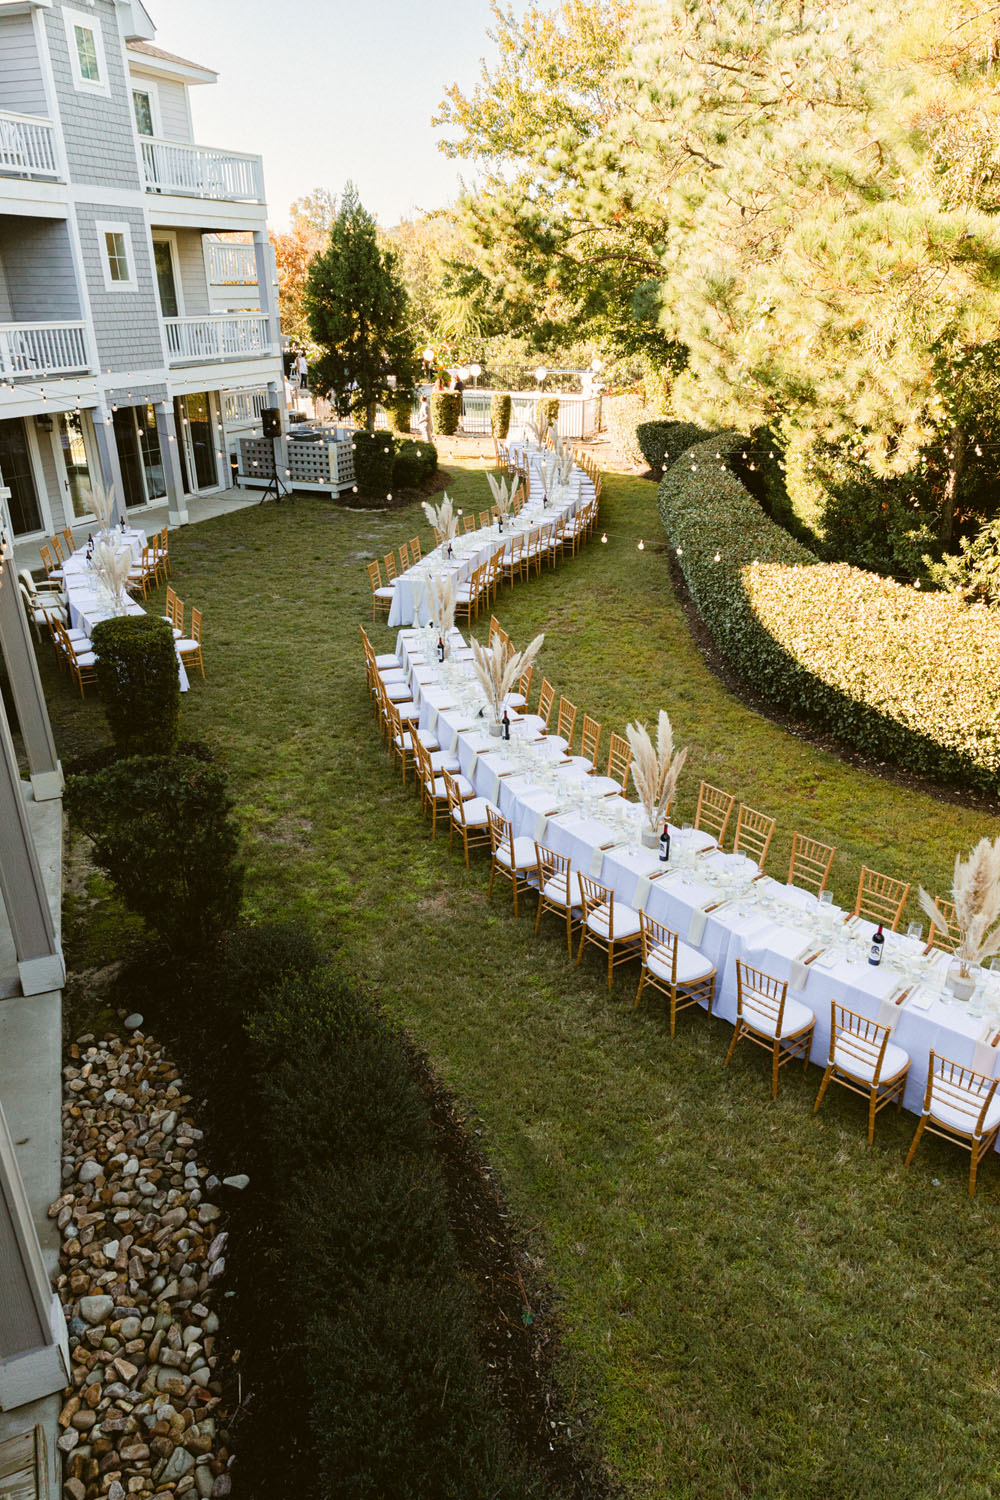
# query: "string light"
{"type": "Point", "coordinates": [604, 537]}
{"type": "Point", "coordinates": [642, 545]}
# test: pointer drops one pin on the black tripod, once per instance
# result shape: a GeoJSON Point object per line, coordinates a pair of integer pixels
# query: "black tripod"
{"type": "Point", "coordinates": [275, 490]}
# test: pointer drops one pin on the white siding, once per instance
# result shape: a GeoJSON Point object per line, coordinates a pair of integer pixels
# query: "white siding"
{"type": "Point", "coordinates": [175, 116]}
{"type": "Point", "coordinates": [21, 88]}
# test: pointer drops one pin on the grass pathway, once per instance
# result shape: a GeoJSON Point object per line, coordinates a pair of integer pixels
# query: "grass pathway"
{"type": "Point", "coordinates": [755, 1302]}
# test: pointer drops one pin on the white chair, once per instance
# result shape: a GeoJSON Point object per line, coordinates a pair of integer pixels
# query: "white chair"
{"type": "Point", "coordinates": [767, 1016]}
{"type": "Point", "coordinates": [960, 1105]}
{"type": "Point", "coordinates": [864, 1060]}
{"type": "Point", "coordinates": [41, 607]}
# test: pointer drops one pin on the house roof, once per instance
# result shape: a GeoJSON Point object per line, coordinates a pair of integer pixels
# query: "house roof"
{"type": "Point", "coordinates": [157, 54]}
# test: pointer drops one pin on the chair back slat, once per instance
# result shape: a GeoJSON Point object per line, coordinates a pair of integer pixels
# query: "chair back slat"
{"type": "Point", "coordinates": [881, 898]}
{"type": "Point", "coordinates": [590, 739]}
{"type": "Point", "coordinates": [619, 759]}
{"type": "Point", "coordinates": [566, 722]}
{"type": "Point", "coordinates": [961, 1090]}
{"type": "Point", "coordinates": [714, 810]}
{"type": "Point", "coordinates": [857, 1038]}
{"type": "Point", "coordinates": [810, 863]}
{"type": "Point", "coordinates": [660, 942]}
{"type": "Point", "coordinates": [759, 996]}
{"type": "Point", "coordinates": [754, 831]}
{"type": "Point", "coordinates": [946, 940]}
{"type": "Point", "coordinates": [546, 698]}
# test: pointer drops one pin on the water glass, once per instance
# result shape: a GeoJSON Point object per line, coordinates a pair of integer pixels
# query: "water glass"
{"type": "Point", "coordinates": [915, 930]}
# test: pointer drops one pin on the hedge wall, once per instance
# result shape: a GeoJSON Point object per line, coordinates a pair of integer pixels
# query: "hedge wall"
{"type": "Point", "coordinates": [663, 440]}
{"type": "Point", "coordinates": [899, 674]}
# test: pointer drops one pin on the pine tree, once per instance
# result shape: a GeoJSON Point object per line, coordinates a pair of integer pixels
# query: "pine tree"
{"type": "Point", "coordinates": [359, 316]}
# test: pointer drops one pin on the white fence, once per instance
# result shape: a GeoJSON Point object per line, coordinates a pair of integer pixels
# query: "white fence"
{"type": "Point", "coordinates": [579, 416]}
{"type": "Point", "coordinates": [232, 265]}
{"type": "Point", "coordinates": [201, 172]}
{"type": "Point", "coordinates": [42, 349]}
{"type": "Point", "coordinates": [243, 408]}
{"type": "Point", "coordinates": [229, 336]}
{"type": "Point", "coordinates": [27, 146]}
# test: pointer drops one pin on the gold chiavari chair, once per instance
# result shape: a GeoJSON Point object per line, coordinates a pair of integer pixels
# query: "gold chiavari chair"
{"type": "Point", "coordinates": [880, 898]}
{"type": "Point", "coordinates": [511, 560]}
{"type": "Point", "coordinates": [558, 890]}
{"type": "Point", "coordinates": [389, 563]}
{"type": "Point", "coordinates": [52, 570]}
{"type": "Point", "coordinates": [400, 738]}
{"type": "Point", "coordinates": [565, 725]}
{"type": "Point", "coordinates": [468, 596]}
{"type": "Point", "coordinates": [810, 863]}
{"type": "Point", "coordinates": [416, 554]}
{"type": "Point", "coordinates": [944, 941]}
{"type": "Point", "coordinates": [404, 557]}
{"type": "Point", "coordinates": [174, 614]}
{"type": "Point", "coordinates": [68, 541]}
{"type": "Point", "coordinates": [484, 518]}
{"type": "Point", "coordinates": [432, 788]}
{"type": "Point", "coordinates": [590, 739]}
{"type": "Point", "coordinates": [519, 700]}
{"type": "Point", "coordinates": [382, 596]}
{"type": "Point", "coordinates": [961, 1106]}
{"type": "Point", "coordinates": [768, 1016]}
{"type": "Point", "coordinates": [754, 832]}
{"type": "Point", "coordinates": [678, 971]}
{"type": "Point", "coordinates": [619, 760]}
{"type": "Point", "coordinates": [515, 859]}
{"type": "Point", "coordinates": [161, 552]}
{"type": "Point", "coordinates": [546, 698]}
{"type": "Point", "coordinates": [495, 629]}
{"type": "Point", "coordinates": [494, 568]}
{"type": "Point", "coordinates": [77, 654]}
{"type": "Point", "coordinates": [610, 925]}
{"type": "Point", "coordinates": [57, 549]}
{"type": "Point", "coordinates": [189, 647]}
{"type": "Point", "coordinates": [468, 815]}
{"type": "Point", "coordinates": [468, 523]}
{"type": "Point", "coordinates": [864, 1059]}
{"type": "Point", "coordinates": [713, 812]}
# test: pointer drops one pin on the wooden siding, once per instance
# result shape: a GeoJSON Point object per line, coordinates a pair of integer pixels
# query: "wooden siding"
{"type": "Point", "coordinates": [22, 90]}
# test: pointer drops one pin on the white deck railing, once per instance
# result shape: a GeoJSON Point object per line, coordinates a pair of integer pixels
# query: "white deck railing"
{"type": "Point", "coordinates": [201, 172]}
{"type": "Point", "coordinates": [27, 146]}
{"type": "Point", "coordinates": [232, 265]}
{"type": "Point", "coordinates": [42, 349]}
{"type": "Point", "coordinates": [228, 336]}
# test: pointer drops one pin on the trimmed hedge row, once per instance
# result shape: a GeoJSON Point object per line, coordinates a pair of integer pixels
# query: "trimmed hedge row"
{"type": "Point", "coordinates": [663, 441]}
{"type": "Point", "coordinates": [446, 411]}
{"type": "Point", "coordinates": [137, 678]}
{"type": "Point", "coordinates": [899, 675]}
{"type": "Point", "coordinates": [500, 407]}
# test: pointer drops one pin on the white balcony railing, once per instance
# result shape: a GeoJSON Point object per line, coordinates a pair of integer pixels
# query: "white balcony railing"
{"type": "Point", "coordinates": [204, 340]}
{"type": "Point", "coordinates": [27, 146]}
{"type": "Point", "coordinates": [232, 265]}
{"type": "Point", "coordinates": [200, 172]}
{"type": "Point", "coordinates": [42, 349]}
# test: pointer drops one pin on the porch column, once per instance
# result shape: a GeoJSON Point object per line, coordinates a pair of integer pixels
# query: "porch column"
{"type": "Point", "coordinates": [34, 1352]}
{"type": "Point", "coordinates": [267, 276]}
{"type": "Point", "coordinates": [111, 469]}
{"type": "Point", "coordinates": [166, 425]}
{"type": "Point", "coordinates": [26, 688]}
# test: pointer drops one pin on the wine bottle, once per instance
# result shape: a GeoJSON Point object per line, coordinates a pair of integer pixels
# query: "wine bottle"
{"type": "Point", "coordinates": [506, 725]}
{"type": "Point", "coordinates": [665, 844]}
{"type": "Point", "coordinates": [877, 948]}
{"type": "Point", "coordinates": [440, 648]}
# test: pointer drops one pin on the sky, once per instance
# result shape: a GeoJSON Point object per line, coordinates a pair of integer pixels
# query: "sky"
{"type": "Point", "coordinates": [329, 91]}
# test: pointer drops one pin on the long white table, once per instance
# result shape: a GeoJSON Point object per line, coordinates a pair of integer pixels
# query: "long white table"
{"type": "Point", "coordinates": [411, 601]}
{"type": "Point", "coordinates": [711, 899]}
{"type": "Point", "coordinates": [88, 605]}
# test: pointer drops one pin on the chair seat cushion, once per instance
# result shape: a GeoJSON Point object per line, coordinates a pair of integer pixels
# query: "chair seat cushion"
{"type": "Point", "coordinates": [393, 674]}
{"type": "Point", "coordinates": [796, 1017]}
{"type": "Point", "coordinates": [387, 659]}
{"type": "Point", "coordinates": [444, 760]}
{"type": "Point", "coordinates": [474, 810]}
{"type": "Point", "coordinates": [603, 784]}
{"type": "Point", "coordinates": [625, 920]}
{"type": "Point", "coordinates": [384, 593]}
{"type": "Point", "coordinates": [397, 692]}
{"type": "Point", "coordinates": [403, 743]}
{"type": "Point", "coordinates": [428, 740]}
{"type": "Point", "coordinates": [84, 658]}
{"type": "Point", "coordinates": [555, 890]}
{"type": "Point", "coordinates": [698, 839]}
{"type": "Point", "coordinates": [525, 855]}
{"type": "Point", "coordinates": [859, 1059]}
{"type": "Point", "coordinates": [465, 787]}
{"type": "Point", "coordinates": [579, 763]}
{"type": "Point", "coordinates": [691, 965]}
{"type": "Point", "coordinates": [408, 710]}
{"type": "Point", "coordinates": [957, 1119]}
{"type": "Point", "coordinates": [557, 741]}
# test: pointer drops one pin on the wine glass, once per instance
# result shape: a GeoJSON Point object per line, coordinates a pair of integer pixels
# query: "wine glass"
{"type": "Point", "coordinates": [915, 930]}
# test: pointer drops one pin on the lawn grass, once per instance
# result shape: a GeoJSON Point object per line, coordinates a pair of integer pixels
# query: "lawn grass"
{"type": "Point", "coordinates": [755, 1302]}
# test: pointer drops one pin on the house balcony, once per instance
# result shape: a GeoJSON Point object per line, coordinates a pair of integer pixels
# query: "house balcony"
{"type": "Point", "coordinates": [232, 265]}
{"type": "Point", "coordinates": [201, 172]}
{"type": "Point", "coordinates": [209, 340]}
{"type": "Point", "coordinates": [33, 350]}
{"type": "Point", "coordinates": [27, 147]}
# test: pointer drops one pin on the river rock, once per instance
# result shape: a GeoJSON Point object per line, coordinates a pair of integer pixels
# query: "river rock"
{"type": "Point", "coordinates": [97, 1309]}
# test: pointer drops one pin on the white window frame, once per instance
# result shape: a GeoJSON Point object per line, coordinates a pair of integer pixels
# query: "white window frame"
{"type": "Point", "coordinates": [91, 23]}
{"type": "Point", "coordinates": [103, 227]}
{"type": "Point", "coordinates": [146, 86]}
{"type": "Point", "coordinates": [170, 235]}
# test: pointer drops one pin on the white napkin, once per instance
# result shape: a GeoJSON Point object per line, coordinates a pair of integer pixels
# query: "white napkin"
{"type": "Point", "coordinates": [696, 927]}
{"type": "Point", "coordinates": [596, 864]}
{"type": "Point", "coordinates": [640, 895]}
{"type": "Point", "coordinates": [984, 1057]}
{"type": "Point", "coordinates": [798, 976]}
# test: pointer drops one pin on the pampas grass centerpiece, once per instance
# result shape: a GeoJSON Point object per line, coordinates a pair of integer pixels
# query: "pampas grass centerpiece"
{"type": "Point", "coordinates": [498, 667]}
{"type": "Point", "coordinates": [504, 501]}
{"type": "Point", "coordinates": [443, 595]}
{"type": "Point", "coordinates": [976, 893]}
{"type": "Point", "coordinates": [443, 518]}
{"type": "Point", "coordinates": [655, 772]}
{"type": "Point", "coordinates": [113, 565]}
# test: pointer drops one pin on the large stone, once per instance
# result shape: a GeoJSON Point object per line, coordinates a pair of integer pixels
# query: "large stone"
{"type": "Point", "coordinates": [75, 1489]}
{"type": "Point", "coordinates": [133, 1022]}
{"type": "Point", "coordinates": [179, 1463]}
{"type": "Point", "coordinates": [90, 1170]}
{"type": "Point", "coordinates": [97, 1309]}
{"type": "Point", "coordinates": [239, 1181]}
{"type": "Point", "coordinates": [223, 1486]}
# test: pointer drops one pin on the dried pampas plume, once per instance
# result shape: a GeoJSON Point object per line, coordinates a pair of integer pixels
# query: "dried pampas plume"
{"type": "Point", "coordinates": [505, 502]}
{"type": "Point", "coordinates": [442, 518]}
{"type": "Point", "coordinates": [442, 587]}
{"type": "Point", "coordinates": [112, 565]}
{"type": "Point", "coordinates": [655, 772]}
{"type": "Point", "coordinates": [499, 666]}
{"type": "Point", "coordinates": [976, 893]}
{"type": "Point", "coordinates": [104, 505]}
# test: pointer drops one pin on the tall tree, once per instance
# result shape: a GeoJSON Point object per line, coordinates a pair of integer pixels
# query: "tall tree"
{"type": "Point", "coordinates": [310, 218]}
{"type": "Point", "coordinates": [359, 315]}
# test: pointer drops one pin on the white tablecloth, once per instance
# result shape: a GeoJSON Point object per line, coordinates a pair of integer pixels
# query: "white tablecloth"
{"type": "Point", "coordinates": [87, 608]}
{"type": "Point", "coordinates": [774, 927]}
{"type": "Point", "coordinates": [411, 598]}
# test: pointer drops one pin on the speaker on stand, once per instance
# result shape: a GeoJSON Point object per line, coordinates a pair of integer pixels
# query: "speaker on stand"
{"type": "Point", "coordinates": [271, 421]}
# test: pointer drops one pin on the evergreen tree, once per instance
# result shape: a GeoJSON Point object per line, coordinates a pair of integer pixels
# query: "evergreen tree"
{"type": "Point", "coordinates": [359, 316]}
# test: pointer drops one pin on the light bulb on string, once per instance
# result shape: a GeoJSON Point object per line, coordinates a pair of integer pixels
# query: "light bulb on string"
{"type": "Point", "coordinates": [604, 537]}
{"type": "Point", "coordinates": [718, 557]}
{"type": "Point", "coordinates": [642, 545]}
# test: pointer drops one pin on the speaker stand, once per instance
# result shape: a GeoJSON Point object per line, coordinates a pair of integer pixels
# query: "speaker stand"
{"type": "Point", "coordinates": [275, 490]}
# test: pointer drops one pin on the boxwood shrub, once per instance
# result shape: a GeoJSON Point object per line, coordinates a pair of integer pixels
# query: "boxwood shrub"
{"type": "Point", "coordinates": [897, 673]}
{"type": "Point", "coordinates": [139, 684]}
{"type": "Point", "coordinates": [373, 458]}
{"type": "Point", "coordinates": [400, 411]}
{"type": "Point", "coordinates": [663, 441]}
{"type": "Point", "coordinates": [546, 413]}
{"type": "Point", "coordinates": [414, 462]}
{"type": "Point", "coordinates": [500, 406]}
{"type": "Point", "coordinates": [446, 409]}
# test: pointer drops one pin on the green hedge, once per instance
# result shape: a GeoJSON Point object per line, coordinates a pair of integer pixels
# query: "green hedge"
{"type": "Point", "coordinates": [500, 406]}
{"type": "Point", "coordinates": [413, 464]}
{"type": "Point", "coordinates": [546, 413]}
{"type": "Point", "coordinates": [376, 1320]}
{"type": "Point", "coordinates": [446, 410]}
{"type": "Point", "coordinates": [663, 441]}
{"type": "Point", "coordinates": [139, 684]}
{"type": "Point", "coordinates": [400, 412]}
{"type": "Point", "coordinates": [899, 674]}
{"type": "Point", "coordinates": [374, 453]}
